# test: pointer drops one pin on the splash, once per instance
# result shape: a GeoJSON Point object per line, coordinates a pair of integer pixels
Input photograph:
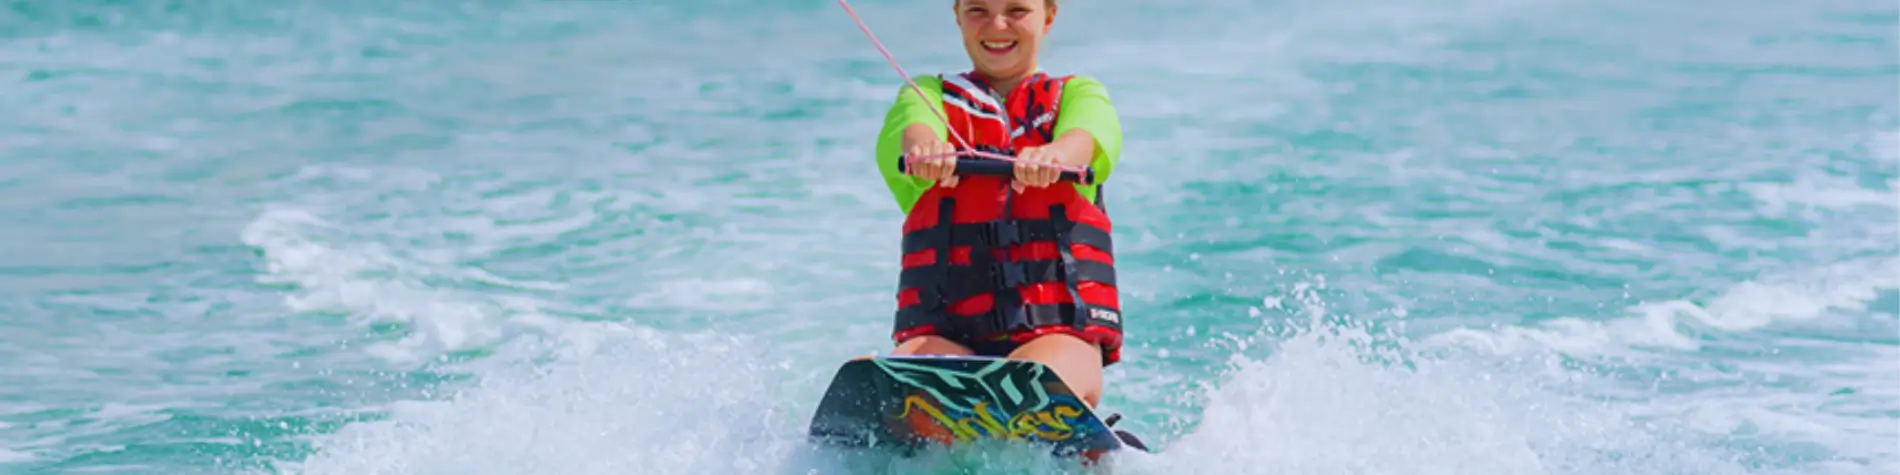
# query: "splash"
{"type": "Point", "coordinates": [650, 403]}
{"type": "Point", "coordinates": [368, 282]}
{"type": "Point", "coordinates": [1336, 400]}
{"type": "Point", "coordinates": [1838, 298]}
{"type": "Point", "coordinates": [1328, 397]}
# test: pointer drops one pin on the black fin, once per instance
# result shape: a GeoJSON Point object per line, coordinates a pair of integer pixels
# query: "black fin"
{"type": "Point", "coordinates": [1131, 441]}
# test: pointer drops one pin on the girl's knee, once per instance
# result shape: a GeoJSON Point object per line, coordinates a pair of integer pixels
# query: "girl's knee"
{"type": "Point", "coordinates": [931, 345]}
{"type": "Point", "coordinates": [1077, 362]}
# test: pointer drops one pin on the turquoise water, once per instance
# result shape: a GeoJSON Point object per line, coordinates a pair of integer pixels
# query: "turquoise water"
{"type": "Point", "coordinates": [1449, 236]}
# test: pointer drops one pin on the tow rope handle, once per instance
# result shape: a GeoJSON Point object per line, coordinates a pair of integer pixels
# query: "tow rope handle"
{"type": "Point", "coordinates": [995, 167]}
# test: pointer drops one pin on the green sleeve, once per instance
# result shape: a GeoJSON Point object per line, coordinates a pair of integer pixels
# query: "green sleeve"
{"type": "Point", "coordinates": [1085, 106]}
{"type": "Point", "coordinates": [909, 109]}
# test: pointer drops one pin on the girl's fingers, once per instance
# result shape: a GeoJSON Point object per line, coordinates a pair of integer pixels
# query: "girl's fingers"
{"type": "Point", "coordinates": [1055, 169]}
{"type": "Point", "coordinates": [924, 163]}
{"type": "Point", "coordinates": [921, 164]}
{"type": "Point", "coordinates": [1026, 169]}
{"type": "Point", "coordinates": [946, 165]}
{"type": "Point", "coordinates": [1034, 175]}
{"type": "Point", "coordinates": [1046, 172]}
{"type": "Point", "coordinates": [949, 172]}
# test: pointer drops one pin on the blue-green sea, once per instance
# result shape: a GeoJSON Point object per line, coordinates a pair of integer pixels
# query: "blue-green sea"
{"type": "Point", "coordinates": [346, 237]}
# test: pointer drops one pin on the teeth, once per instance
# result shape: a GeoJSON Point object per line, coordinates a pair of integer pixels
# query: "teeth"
{"type": "Point", "coordinates": [998, 44]}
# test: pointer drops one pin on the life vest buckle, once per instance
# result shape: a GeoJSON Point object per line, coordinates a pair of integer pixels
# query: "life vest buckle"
{"type": "Point", "coordinates": [1004, 233]}
{"type": "Point", "coordinates": [1011, 318]}
{"type": "Point", "coordinates": [1008, 275]}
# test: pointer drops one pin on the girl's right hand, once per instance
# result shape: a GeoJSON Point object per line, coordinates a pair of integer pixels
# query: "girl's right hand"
{"type": "Point", "coordinates": [942, 170]}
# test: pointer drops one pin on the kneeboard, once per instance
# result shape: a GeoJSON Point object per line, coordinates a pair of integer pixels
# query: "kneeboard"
{"type": "Point", "coordinates": [907, 401]}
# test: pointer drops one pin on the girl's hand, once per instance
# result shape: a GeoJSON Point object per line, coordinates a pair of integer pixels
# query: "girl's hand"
{"type": "Point", "coordinates": [942, 170]}
{"type": "Point", "coordinates": [1037, 167]}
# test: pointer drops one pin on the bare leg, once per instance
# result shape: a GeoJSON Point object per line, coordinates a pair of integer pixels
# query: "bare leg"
{"type": "Point", "coordinates": [931, 345]}
{"type": "Point", "coordinates": [928, 345]}
{"type": "Point", "coordinates": [1077, 362]}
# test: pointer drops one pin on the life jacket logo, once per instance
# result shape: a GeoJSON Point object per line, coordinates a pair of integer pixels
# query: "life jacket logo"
{"type": "Point", "coordinates": [1106, 315]}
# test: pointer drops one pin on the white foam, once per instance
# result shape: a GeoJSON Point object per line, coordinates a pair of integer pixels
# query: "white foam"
{"type": "Point", "coordinates": [626, 399]}
{"type": "Point", "coordinates": [1844, 289]}
{"type": "Point", "coordinates": [1750, 416]}
{"type": "Point", "coordinates": [1817, 190]}
{"type": "Point", "coordinates": [382, 178]}
{"type": "Point", "coordinates": [727, 294]}
{"type": "Point", "coordinates": [1831, 300]}
{"type": "Point", "coordinates": [1885, 145]}
{"type": "Point", "coordinates": [652, 403]}
{"type": "Point", "coordinates": [1328, 402]}
{"type": "Point", "coordinates": [1848, 286]}
{"type": "Point", "coordinates": [9, 456]}
{"type": "Point", "coordinates": [369, 283]}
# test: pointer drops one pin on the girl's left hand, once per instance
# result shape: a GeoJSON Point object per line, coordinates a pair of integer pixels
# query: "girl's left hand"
{"type": "Point", "coordinates": [1036, 167]}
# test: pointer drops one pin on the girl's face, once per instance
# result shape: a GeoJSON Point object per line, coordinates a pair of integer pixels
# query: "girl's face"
{"type": "Point", "coordinates": [1003, 36]}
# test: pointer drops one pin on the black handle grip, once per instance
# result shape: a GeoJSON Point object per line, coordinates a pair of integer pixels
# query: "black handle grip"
{"type": "Point", "coordinates": [994, 167]}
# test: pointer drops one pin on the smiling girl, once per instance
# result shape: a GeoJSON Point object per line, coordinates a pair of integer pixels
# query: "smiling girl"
{"type": "Point", "coordinates": [1017, 266]}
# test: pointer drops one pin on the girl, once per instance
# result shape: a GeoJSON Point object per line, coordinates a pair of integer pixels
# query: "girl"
{"type": "Point", "coordinates": [1017, 266]}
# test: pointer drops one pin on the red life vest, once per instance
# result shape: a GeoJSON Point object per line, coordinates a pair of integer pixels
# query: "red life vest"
{"type": "Point", "coordinates": [983, 263]}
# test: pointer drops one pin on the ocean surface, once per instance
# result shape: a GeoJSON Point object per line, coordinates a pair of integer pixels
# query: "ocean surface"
{"type": "Point", "coordinates": [589, 237]}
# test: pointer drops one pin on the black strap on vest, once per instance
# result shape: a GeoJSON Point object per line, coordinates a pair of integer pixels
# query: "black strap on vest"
{"type": "Point", "coordinates": [941, 283]}
{"type": "Point", "coordinates": [1100, 192]}
{"type": "Point", "coordinates": [1003, 233]}
{"type": "Point", "coordinates": [1062, 223]}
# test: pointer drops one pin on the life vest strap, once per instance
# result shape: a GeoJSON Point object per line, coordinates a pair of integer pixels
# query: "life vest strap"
{"type": "Point", "coordinates": [992, 234]}
{"type": "Point", "coordinates": [931, 295]}
{"type": "Point", "coordinates": [1051, 270]}
{"type": "Point", "coordinates": [1004, 233]}
{"type": "Point", "coordinates": [1001, 320]}
{"type": "Point", "coordinates": [982, 278]}
{"type": "Point", "coordinates": [1061, 221]}
{"type": "Point", "coordinates": [956, 283]}
{"type": "Point", "coordinates": [1078, 232]}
